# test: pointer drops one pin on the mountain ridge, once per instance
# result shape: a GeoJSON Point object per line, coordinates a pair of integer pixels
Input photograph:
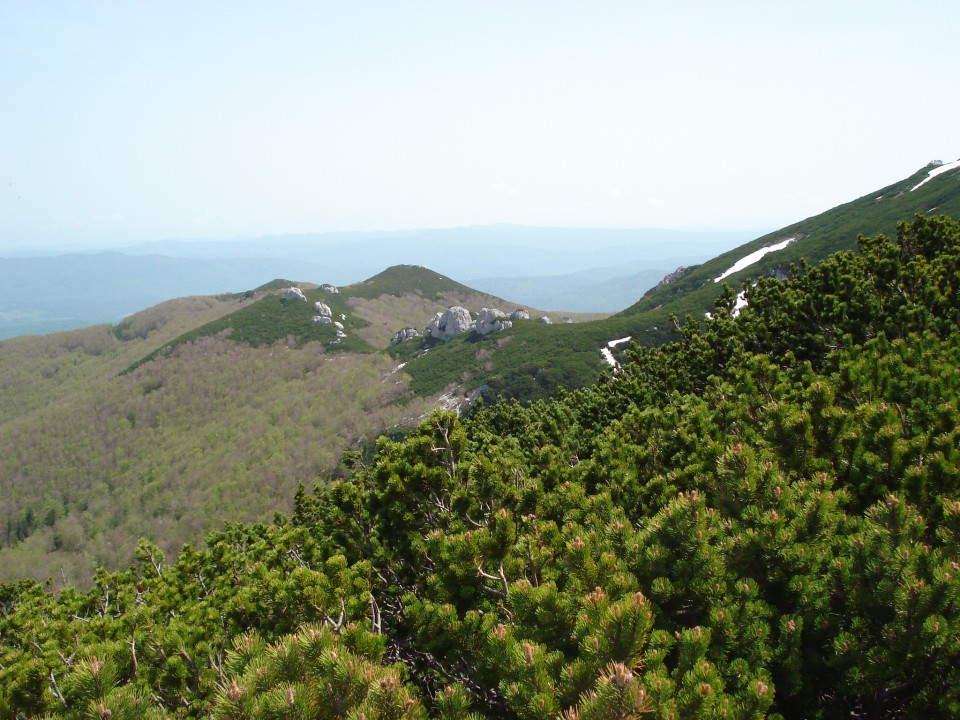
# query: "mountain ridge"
{"type": "Point", "coordinates": [92, 457]}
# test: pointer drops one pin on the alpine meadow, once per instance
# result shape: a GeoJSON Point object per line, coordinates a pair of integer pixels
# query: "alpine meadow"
{"type": "Point", "coordinates": [737, 498]}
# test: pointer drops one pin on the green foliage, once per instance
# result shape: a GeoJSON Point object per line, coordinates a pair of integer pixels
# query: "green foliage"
{"type": "Point", "coordinates": [214, 432]}
{"type": "Point", "coordinates": [759, 520]}
{"type": "Point", "coordinates": [311, 675]}
{"type": "Point", "coordinates": [822, 235]}
{"type": "Point", "coordinates": [272, 319]}
{"type": "Point", "coordinates": [402, 279]}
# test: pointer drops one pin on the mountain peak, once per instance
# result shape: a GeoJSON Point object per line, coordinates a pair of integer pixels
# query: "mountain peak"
{"type": "Point", "coordinates": [402, 279]}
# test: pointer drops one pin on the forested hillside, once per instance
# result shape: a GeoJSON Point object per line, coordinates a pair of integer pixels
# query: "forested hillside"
{"type": "Point", "coordinates": [196, 412]}
{"type": "Point", "coordinates": [761, 519]}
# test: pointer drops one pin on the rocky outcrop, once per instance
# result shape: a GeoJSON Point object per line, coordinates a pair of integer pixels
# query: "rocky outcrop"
{"type": "Point", "coordinates": [545, 320]}
{"type": "Point", "coordinates": [453, 321]}
{"type": "Point", "coordinates": [490, 320]}
{"type": "Point", "coordinates": [322, 319]}
{"type": "Point", "coordinates": [328, 288]}
{"type": "Point", "coordinates": [294, 293]}
{"type": "Point", "coordinates": [404, 335]}
{"type": "Point", "coordinates": [322, 309]}
{"type": "Point", "coordinates": [338, 324]}
{"type": "Point", "coordinates": [673, 277]}
{"type": "Point", "coordinates": [520, 314]}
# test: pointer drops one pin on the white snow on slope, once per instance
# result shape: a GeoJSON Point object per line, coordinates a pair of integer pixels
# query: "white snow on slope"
{"type": "Point", "coordinates": [741, 303]}
{"type": "Point", "coordinates": [608, 356]}
{"type": "Point", "coordinates": [937, 171]}
{"type": "Point", "coordinates": [753, 257]}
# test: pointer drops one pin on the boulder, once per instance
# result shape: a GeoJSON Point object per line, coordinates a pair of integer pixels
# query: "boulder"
{"type": "Point", "coordinates": [338, 324]}
{"type": "Point", "coordinates": [674, 276]}
{"type": "Point", "coordinates": [545, 320]}
{"type": "Point", "coordinates": [520, 314]}
{"type": "Point", "coordinates": [453, 321]}
{"type": "Point", "coordinates": [294, 293]}
{"type": "Point", "coordinates": [322, 319]}
{"type": "Point", "coordinates": [404, 335]}
{"type": "Point", "coordinates": [490, 320]}
{"type": "Point", "coordinates": [322, 309]}
{"type": "Point", "coordinates": [328, 288]}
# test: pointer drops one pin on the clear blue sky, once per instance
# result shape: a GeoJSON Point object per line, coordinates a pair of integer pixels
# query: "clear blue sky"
{"type": "Point", "coordinates": [129, 121]}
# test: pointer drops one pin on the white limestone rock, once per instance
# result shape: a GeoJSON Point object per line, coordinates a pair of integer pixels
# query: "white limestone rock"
{"type": "Point", "coordinates": [294, 293]}
{"type": "Point", "coordinates": [328, 288]}
{"type": "Point", "coordinates": [338, 325]}
{"type": "Point", "coordinates": [453, 321]}
{"type": "Point", "coordinates": [322, 309]}
{"type": "Point", "coordinates": [673, 277]}
{"type": "Point", "coordinates": [545, 320]}
{"type": "Point", "coordinates": [491, 320]}
{"type": "Point", "coordinates": [520, 314]}
{"type": "Point", "coordinates": [322, 319]}
{"type": "Point", "coordinates": [404, 335]}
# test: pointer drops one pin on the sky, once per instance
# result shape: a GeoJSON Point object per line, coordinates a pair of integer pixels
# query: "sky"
{"type": "Point", "coordinates": [125, 122]}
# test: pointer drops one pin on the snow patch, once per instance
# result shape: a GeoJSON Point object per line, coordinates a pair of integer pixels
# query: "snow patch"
{"type": "Point", "coordinates": [608, 357]}
{"type": "Point", "coordinates": [937, 171]}
{"type": "Point", "coordinates": [753, 257]}
{"type": "Point", "coordinates": [740, 304]}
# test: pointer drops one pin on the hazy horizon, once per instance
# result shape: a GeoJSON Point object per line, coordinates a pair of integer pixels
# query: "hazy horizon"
{"type": "Point", "coordinates": [128, 123]}
{"type": "Point", "coordinates": [352, 236]}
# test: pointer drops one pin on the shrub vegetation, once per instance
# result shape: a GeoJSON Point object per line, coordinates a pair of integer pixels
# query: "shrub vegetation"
{"type": "Point", "coordinates": [761, 519]}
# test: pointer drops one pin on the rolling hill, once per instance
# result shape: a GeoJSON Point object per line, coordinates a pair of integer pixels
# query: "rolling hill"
{"type": "Point", "coordinates": [197, 412]}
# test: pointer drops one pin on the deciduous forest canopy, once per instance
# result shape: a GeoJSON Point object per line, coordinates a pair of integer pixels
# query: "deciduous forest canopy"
{"type": "Point", "coordinates": [761, 519]}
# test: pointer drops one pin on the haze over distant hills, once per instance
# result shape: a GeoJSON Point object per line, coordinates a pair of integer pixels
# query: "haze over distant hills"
{"type": "Point", "coordinates": [574, 269]}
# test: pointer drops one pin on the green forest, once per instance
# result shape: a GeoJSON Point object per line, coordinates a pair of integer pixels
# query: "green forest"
{"type": "Point", "coordinates": [760, 519]}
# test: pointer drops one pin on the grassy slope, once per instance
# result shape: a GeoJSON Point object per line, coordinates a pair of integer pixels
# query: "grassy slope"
{"type": "Point", "coordinates": [542, 358]}
{"type": "Point", "coordinates": [836, 229]}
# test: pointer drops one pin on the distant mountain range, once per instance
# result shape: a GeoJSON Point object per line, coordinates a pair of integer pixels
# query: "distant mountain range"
{"type": "Point", "coordinates": [581, 270]}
